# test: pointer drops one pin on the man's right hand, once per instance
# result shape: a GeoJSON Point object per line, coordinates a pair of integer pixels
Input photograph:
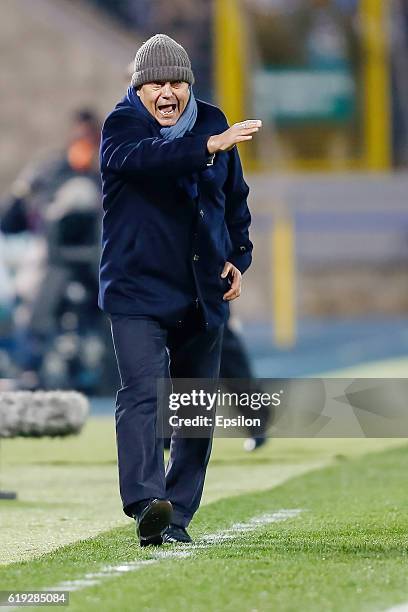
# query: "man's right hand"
{"type": "Point", "coordinates": [239, 132]}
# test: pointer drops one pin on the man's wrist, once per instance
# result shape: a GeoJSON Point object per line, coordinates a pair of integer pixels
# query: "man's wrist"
{"type": "Point", "coordinates": [212, 145]}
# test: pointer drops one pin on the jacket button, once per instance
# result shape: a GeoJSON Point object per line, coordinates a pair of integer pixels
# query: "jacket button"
{"type": "Point", "coordinates": [242, 248]}
{"type": "Point", "coordinates": [196, 257]}
{"type": "Point", "coordinates": [201, 212]}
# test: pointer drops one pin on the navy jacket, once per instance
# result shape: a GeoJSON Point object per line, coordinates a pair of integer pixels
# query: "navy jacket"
{"type": "Point", "coordinates": [161, 250]}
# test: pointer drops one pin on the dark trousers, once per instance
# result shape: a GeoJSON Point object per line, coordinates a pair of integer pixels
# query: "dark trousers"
{"type": "Point", "coordinates": [145, 351]}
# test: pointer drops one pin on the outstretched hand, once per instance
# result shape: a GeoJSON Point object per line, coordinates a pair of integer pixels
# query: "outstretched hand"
{"type": "Point", "coordinates": [239, 132]}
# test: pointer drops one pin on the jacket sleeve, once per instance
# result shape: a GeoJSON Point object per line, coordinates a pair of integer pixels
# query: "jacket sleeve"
{"type": "Point", "coordinates": [237, 215]}
{"type": "Point", "coordinates": [126, 150]}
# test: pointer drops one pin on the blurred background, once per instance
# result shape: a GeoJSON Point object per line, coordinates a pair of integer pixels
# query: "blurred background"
{"type": "Point", "coordinates": [328, 289]}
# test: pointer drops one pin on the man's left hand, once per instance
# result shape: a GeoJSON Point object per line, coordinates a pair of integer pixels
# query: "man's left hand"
{"type": "Point", "coordinates": [235, 276]}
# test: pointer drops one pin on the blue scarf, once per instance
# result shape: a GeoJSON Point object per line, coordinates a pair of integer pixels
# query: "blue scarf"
{"type": "Point", "coordinates": [185, 123]}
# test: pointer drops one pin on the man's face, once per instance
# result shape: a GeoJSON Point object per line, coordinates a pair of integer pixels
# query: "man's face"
{"type": "Point", "coordinates": [166, 101]}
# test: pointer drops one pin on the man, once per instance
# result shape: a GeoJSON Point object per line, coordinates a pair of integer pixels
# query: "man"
{"type": "Point", "coordinates": [175, 244]}
{"type": "Point", "coordinates": [38, 285]}
{"type": "Point", "coordinates": [35, 188]}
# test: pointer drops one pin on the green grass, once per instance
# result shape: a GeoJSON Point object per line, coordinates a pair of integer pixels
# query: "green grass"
{"type": "Point", "coordinates": [68, 487]}
{"type": "Point", "coordinates": [348, 550]}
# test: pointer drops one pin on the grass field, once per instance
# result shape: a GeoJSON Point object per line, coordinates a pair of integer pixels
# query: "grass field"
{"type": "Point", "coordinates": [300, 525]}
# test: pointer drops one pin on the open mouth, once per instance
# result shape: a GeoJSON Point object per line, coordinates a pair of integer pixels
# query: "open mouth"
{"type": "Point", "coordinates": [167, 110]}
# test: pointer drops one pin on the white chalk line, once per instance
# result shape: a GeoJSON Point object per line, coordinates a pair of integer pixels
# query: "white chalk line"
{"type": "Point", "coordinates": [240, 528]}
{"type": "Point", "coordinates": [399, 608]}
{"type": "Point", "coordinates": [182, 552]}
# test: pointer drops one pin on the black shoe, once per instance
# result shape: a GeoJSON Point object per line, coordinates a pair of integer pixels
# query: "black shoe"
{"type": "Point", "coordinates": [153, 521]}
{"type": "Point", "coordinates": [175, 533]}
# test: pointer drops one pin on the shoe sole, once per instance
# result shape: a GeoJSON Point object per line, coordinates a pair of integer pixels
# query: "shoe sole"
{"type": "Point", "coordinates": [154, 523]}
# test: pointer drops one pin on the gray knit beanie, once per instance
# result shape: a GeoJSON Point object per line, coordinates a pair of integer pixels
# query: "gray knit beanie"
{"type": "Point", "coordinates": [161, 59]}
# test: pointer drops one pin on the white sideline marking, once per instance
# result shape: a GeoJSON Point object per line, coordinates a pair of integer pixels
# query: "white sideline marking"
{"type": "Point", "coordinates": [251, 525]}
{"type": "Point", "coordinates": [93, 578]}
{"type": "Point", "coordinates": [400, 608]}
{"type": "Point", "coordinates": [182, 552]}
{"type": "Point", "coordinates": [186, 551]}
